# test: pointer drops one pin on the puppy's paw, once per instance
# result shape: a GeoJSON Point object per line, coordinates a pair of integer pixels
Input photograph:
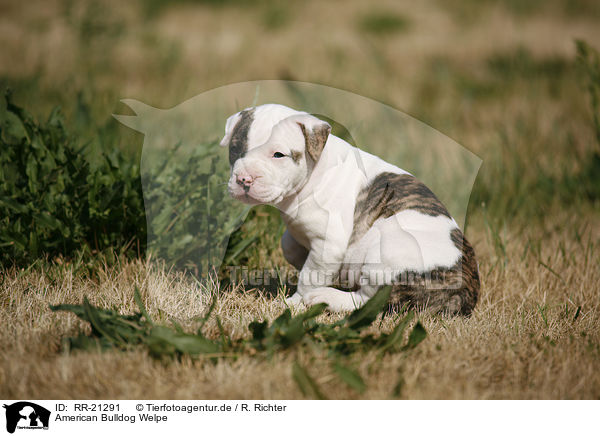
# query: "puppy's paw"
{"type": "Point", "coordinates": [336, 300]}
{"type": "Point", "coordinates": [295, 301]}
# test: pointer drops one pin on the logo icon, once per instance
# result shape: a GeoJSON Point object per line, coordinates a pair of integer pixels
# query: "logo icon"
{"type": "Point", "coordinates": [26, 415]}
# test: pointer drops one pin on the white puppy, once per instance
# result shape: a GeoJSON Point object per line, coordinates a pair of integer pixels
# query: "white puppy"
{"type": "Point", "coordinates": [354, 221]}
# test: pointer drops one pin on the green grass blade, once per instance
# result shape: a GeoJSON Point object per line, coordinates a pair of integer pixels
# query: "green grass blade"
{"type": "Point", "coordinates": [98, 325]}
{"type": "Point", "coordinates": [138, 300]}
{"type": "Point", "coordinates": [184, 343]}
{"type": "Point", "coordinates": [306, 383]}
{"type": "Point", "coordinates": [313, 311]}
{"type": "Point", "coordinates": [77, 309]}
{"type": "Point", "coordinates": [395, 336]}
{"type": "Point", "coordinates": [417, 335]}
{"type": "Point", "coordinates": [365, 315]}
{"type": "Point", "coordinates": [350, 377]}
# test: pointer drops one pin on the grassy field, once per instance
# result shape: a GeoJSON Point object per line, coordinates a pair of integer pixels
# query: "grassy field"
{"type": "Point", "coordinates": [502, 78]}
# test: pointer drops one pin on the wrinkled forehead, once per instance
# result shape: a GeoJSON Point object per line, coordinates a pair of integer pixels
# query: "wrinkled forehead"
{"type": "Point", "coordinates": [286, 135]}
{"type": "Point", "coordinates": [265, 118]}
{"type": "Point", "coordinates": [259, 132]}
{"type": "Point", "coordinates": [252, 127]}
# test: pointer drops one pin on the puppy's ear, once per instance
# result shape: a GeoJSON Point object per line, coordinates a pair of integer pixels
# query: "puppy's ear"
{"type": "Point", "coordinates": [315, 134]}
{"type": "Point", "coordinates": [229, 126]}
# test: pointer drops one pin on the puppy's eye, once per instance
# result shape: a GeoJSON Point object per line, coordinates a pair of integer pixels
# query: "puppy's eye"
{"type": "Point", "coordinates": [278, 155]}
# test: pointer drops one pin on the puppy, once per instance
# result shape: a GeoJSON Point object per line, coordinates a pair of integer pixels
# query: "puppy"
{"type": "Point", "coordinates": [354, 222]}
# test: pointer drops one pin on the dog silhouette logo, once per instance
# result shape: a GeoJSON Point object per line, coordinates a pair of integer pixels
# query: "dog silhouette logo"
{"type": "Point", "coordinates": [26, 415]}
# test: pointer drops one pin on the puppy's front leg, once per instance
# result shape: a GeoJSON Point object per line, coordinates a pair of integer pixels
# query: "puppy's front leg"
{"type": "Point", "coordinates": [315, 274]}
{"type": "Point", "coordinates": [293, 251]}
{"type": "Point", "coordinates": [314, 284]}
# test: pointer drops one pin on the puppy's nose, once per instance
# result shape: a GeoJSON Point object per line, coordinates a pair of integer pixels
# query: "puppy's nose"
{"type": "Point", "coordinates": [245, 181]}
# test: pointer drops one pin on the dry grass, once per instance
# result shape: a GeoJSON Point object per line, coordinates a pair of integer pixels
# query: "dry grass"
{"type": "Point", "coordinates": [523, 341]}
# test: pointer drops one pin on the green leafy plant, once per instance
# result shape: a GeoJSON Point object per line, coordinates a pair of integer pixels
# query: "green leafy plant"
{"type": "Point", "coordinates": [56, 200]}
{"type": "Point", "coordinates": [190, 215]}
{"type": "Point", "coordinates": [61, 198]}
{"type": "Point", "coordinates": [341, 340]}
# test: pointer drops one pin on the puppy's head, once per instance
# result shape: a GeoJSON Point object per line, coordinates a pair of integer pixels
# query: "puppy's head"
{"type": "Point", "coordinates": [282, 165]}
{"type": "Point", "coordinates": [251, 127]}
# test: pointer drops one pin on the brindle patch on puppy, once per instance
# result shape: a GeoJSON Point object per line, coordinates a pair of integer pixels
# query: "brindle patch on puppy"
{"type": "Point", "coordinates": [315, 141]}
{"type": "Point", "coordinates": [296, 156]}
{"type": "Point", "coordinates": [453, 290]}
{"type": "Point", "coordinates": [238, 145]}
{"type": "Point", "coordinates": [388, 194]}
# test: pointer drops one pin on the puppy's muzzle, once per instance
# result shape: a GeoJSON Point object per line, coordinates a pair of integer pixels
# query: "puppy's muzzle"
{"type": "Point", "coordinates": [244, 181]}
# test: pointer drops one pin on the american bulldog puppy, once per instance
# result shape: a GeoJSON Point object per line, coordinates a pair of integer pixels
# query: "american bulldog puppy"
{"type": "Point", "coordinates": [354, 222]}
